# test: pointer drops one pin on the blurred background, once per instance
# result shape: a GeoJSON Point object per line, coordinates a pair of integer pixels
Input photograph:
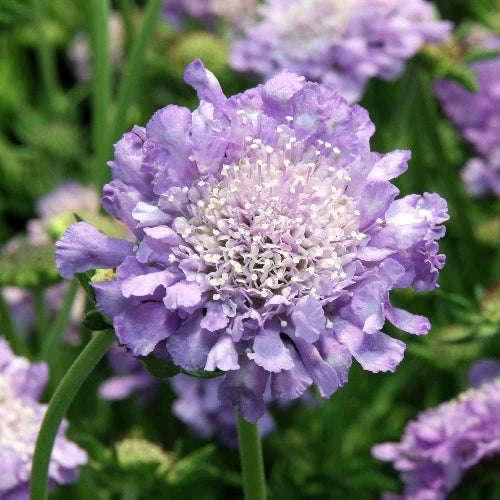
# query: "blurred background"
{"type": "Point", "coordinates": [74, 76]}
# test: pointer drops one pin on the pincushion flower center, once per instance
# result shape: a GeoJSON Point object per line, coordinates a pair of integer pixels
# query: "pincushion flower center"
{"type": "Point", "coordinates": [17, 423]}
{"type": "Point", "coordinates": [277, 221]}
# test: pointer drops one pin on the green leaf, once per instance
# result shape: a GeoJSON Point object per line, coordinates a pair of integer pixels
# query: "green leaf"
{"type": "Point", "coordinates": [203, 373]}
{"type": "Point", "coordinates": [84, 280]}
{"type": "Point", "coordinates": [159, 368]}
{"type": "Point", "coordinates": [96, 321]}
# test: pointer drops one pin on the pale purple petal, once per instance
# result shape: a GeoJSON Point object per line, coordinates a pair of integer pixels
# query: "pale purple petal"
{"type": "Point", "coordinates": [83, 247]}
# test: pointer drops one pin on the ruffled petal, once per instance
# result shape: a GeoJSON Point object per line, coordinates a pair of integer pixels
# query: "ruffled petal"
{"type": "Point", "coordinates": [270, 352]}
{"type": "Point", "coordinates": [245, 388]}
{"type": "Point", "coordinates": [216, 318]}
{"type": "Point", "coordinates": [141, 327]}
{"type": "Point", "coordinates": [390, 165]}
{"type": "Point", "coordinates": [324, 376]}
{"type": "Point", "coordinates": [83, 247]}
{"type": "Point", "coordinates": [190, 345]}
{"type": "Point", "coordinates": [109, 298]}
{"type": "Point", "coordinates": [204, 82]}
{"type": "Point", "coordinates": [223, 355]}
{"type": "Point", "coordinates": [146, 284]}
{"type": "Point", "coordinates": [183, 295]}
{"type": "Point", "coordinates": [406, 321]}
{"type": "Point", "coordinates": [308, 318]}
{"type": "Point", "coordinates": [375, 352]}
{"type": "Point", "coordinates": [291, 384]}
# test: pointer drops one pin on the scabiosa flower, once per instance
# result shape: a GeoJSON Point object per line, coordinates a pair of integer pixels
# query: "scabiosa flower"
{"type": "Point", "coordinates": [477, 116]}
{"type": "Point", "coordinates": [268, 240]}
{"type": "Point", "coordinates": [21, 384]}
{"type": "Point", "coordinates": [342, 42]}
{"type": "Point", "coordinates": [444, 442]}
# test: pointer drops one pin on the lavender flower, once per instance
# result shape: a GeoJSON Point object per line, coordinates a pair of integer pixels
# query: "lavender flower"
{"type": "Point", "coordinates": [445, 441]}
{"type": "Point", "coordinates": [268, 240]}
{"type": "Point", "coordinates": [341, 42]}
{"type": "Point", "coordinates": [477, 116]}
{"type": "Point", "coordinates": [21, 384]}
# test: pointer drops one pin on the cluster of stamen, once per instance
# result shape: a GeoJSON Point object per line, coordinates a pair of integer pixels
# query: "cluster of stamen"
{"type": "Point", "coordinates": [18, 425]}
{"type": "Point", "coordinates": [279, 221]}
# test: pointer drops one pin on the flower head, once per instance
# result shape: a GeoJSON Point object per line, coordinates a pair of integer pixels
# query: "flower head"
{"type": "Point", "coordinates": [268, 240]}
{"type": "Point", "coordinates": [21, 384]}
{"type": "Point", "coordinates": [342, 42]}
{"type": "Point", "coordinates": [444, 442]}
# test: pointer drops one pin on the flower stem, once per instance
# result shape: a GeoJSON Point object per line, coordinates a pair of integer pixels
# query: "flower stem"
{"type": "Point", "coordinates": [133, 68]}
{"type": "Point", "coordinates": [101, 87]}
{"type": "Point", "coordinates": [45, 54]}
{"type": "Point", "coordinates": [252, 463]}
{"type": "Point", "coordinates": [9, 329]}
{"type": "Point", "coordinates": [59, 403]}
{"type": "Point", "coordinates": [53, 335]}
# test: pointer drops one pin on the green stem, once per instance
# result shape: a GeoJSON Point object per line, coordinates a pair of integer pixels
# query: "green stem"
{"type": "Point", "coordinates": [52, 338]}
{"type": "Point", "coordinates": [101, 86]}
{"type": "Point", "coordinates": [58, 406]}
{"type": "Point", "coordinates": [45, 55]}
{"type": "Point", "coordinates": [9, 329]}
{"type": "Point", "coordinates": [252, 463]}
{"type": "Point", "coordinates": [40, 310]}
{"type": "Point", "coordinates": [133, 68]}
{"type": "Point", "coordinates": [128, 19]}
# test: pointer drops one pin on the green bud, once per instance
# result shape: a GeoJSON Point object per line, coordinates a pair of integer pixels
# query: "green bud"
{"type": "Point", "coordinates": [490, 305]}
{"type": "Point", "coordinates": [134, 453]}
{"type": "Point", "coordinates": [28, 266]}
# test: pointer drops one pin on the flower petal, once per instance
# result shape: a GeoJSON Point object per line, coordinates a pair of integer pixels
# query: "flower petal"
{"type": "Point", "coordinates": [190, 345]}
{"type": "Point", "coordinates": [375, 352]}
{"type": "Point", "coordinates": [183, 295]}
{"type": "Point", "coordinates": [308, 318]}
{"type": "Point", "coordinates": [204, 82]}
{"type": "Point", "coordinates": [141, 327]}
{"type": "Point", "coordinates": [83, 247]}
{"type": "Point", "coordinates": [223, 355]}
{"type": "Point", "coordinates": [291, 384]}
{"type": "Point", "coordinates": [245, 388]}
{"type": "Point", "coordinates": [270, 352]}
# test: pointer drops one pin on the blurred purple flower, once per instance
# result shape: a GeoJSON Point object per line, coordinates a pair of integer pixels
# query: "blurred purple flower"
{"type": "Point", "coordinates": [237, 12]}
{"type": "Point", "coordinates": [477, 116]}
{"type": "Point", "coordinates": [67, 198]}
{"type": "Point", "coordinates": [269, 239]}
{"type": "Point", "coordinates": [79, 52]}
{"type": "Point", "coordinates": [131, 378]}
{"type": "Point", "coordinates": [199, 407]}
{"type": "Point", "coordinates": [444, 442]}
{"type": "Point", "coordinates": [341, 42]}
{"type": "Point", "coordinates": [21, 385]}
